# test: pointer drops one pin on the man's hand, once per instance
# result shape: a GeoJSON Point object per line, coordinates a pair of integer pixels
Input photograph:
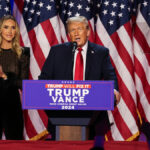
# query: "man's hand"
{"type": "Point", "coordinates": [117, 96]}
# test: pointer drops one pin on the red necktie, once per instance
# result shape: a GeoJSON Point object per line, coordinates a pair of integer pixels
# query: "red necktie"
{"type": "Point", "coordinates": [79, 66]}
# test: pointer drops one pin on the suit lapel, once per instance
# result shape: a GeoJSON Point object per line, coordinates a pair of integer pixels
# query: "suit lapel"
{"type": "Point", "coordinates": [89, 58]}
{"type": "Point", "coordinates": [70, 58]}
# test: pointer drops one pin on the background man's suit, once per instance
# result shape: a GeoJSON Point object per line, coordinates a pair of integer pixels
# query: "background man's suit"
{"type": "Point", "coordinates": [59, 63]}
{"type": "Point", "coordinates": [59, 66]}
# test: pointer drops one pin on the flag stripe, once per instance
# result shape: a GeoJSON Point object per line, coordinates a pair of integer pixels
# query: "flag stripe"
{"type": "Point", "coordinates": [142, 42]}
{"type": "Point", "coordinates": [49, 32]}
{"type": "Point", "coordinates": [144, 102]}
{"type": "Point", "coordinates": [121, 125]}
{"type": "Point", "coordinates": [25, 134]}
{"type": "Point", "coordinates": [141, 75]}
{"type": "Point", "coordinates": [125, 37]}
{"type": "Point", "coordinates": [129, 102]}
{"type": "Point", "coordinates": [36, 121]}
{"type": "Point", "coordinates": [43, 115]}
{"type": "Point", "coordinates": [38, 54]}
{"type": "Point", "coordinates": [140, 108]}
{"type": "Point", "coordinates": [143, 26]}
{"type": "Point", "coordinates": [30, 130]}
{"type": "Point", "coordinates": [142, 60]}
{"type": "Point", "coordinates": [56, 27]}
{"type": "Point", "coordinates": [62, 31]}
{"type": "Point", "coordinates": [123, 53]}
{"type": "Point", "coordinates": [114, 133]}
{"type": "Point", "coordinates": [128, 29]}
{"type": "Point", "coordinates": [92, 35]}
{"type": "Point", "coordinates": [98, 41]}
{"type": "Point", "coordinates": [20, 4]}
{"type": "Point", "coordinates": [42, 40]}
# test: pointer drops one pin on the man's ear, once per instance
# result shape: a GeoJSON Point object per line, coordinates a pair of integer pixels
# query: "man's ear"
{"type": "Point", "coordinates": [88, 32]}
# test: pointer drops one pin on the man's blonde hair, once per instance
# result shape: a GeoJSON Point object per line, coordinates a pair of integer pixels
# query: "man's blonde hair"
{"type": "Point", "coordinates": [77, 19]}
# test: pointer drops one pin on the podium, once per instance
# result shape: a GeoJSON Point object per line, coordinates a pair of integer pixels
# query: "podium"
{"type": "Point", "coordinates": [70, 125]}
{"type": "Point", "coordinates": [72, 106]}
{"type": "Point", "coordinates": [74, 125]}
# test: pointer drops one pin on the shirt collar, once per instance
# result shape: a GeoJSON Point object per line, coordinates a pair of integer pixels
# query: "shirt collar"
{"type": "Point", "coordinates": [84, 48]}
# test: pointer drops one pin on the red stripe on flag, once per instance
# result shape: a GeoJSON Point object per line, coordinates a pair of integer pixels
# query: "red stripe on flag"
{"type": "Point", "coordinates": [98, 41]}
{"type": "Point", "coordinates": [121, 125]}
{"type": "Point", "coordinates": [128, 28]}
{"type": "Point", "coordinates": [126, 95]}
{"type": "Point", "coordinates": [92, 35]}
{"type": "Point", "coordinates": [140, 72]}
{"type": "Point", "coordinates": [49, 32]}
{"type": "Point", "coordinates": [109, 136]}
{"type": "Point", "coordinates": [123, 53]}
{"type": "Point", "coordinates": [142, 42]}
{"type": "Point", "coordinates": [19, 4]}
{"type": "Point", "coordinates": [44, 117]}
{"type": "Point", "coordinates": [28, 125]}
{"type": "Point", "coordinates": [140, 108]}
{"type": "Point", "coordinates": [30, 75]}
{"type": "Point", "coordinates": [62, 40]}
{"type": "Point", "coordinates": [38, 54]}
{"type": "Point", "coordinates": [68, 37]}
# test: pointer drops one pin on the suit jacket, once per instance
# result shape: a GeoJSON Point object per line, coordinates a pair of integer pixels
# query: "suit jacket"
{"type": "Point", "coordinates": [59, 63]}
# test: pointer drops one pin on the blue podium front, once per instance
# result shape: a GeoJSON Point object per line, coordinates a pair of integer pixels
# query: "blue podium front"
{"type": "Point", "coordinates": [69, 103]}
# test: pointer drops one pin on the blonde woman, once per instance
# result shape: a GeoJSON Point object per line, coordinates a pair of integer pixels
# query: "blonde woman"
{"type": "Point", "coordinates": [14, 66]}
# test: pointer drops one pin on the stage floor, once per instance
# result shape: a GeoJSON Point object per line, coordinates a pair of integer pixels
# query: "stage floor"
{"type": "Point", "coordinates": [68, 145]}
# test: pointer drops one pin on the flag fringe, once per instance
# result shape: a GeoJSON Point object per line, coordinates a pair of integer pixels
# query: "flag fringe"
{"type": "Point", "coordinates": [132, 138]}
{"type": "Point", "coordinates": [40, 136]}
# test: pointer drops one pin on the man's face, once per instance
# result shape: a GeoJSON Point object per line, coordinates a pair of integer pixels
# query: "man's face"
{"type": "Point", "coordinates": [78, 32]}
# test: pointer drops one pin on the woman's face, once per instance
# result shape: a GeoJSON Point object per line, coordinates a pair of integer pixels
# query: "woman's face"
{"type": "Point", "coordinates": [8, 30]}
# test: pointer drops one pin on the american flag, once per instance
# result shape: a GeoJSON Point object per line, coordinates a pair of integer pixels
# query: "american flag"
{"type": "Point", "coordinates": [34, 26]}
{"type": "Point", "coordinates": [4, 8]}
{"type": "Point", "coordinates": [141, 45]}
{"type": "Point", "coordinates": [114, 30]}
{"type": "Point", "coordinates": [42, 24]}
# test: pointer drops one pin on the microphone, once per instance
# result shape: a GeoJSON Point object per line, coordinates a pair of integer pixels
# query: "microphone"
{"type": "Point", "coordinates": [74, 45]}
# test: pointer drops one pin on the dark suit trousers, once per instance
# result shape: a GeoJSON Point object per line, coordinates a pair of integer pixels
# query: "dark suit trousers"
{"type": "Point", "coordinates": [99, 124]}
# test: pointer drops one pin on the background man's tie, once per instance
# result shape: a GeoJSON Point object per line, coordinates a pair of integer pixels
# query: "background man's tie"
{"type": "Point", "coordinates": [79, 66]}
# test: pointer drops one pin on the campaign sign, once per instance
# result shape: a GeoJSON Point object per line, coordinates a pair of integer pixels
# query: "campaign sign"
{"type": "Point", "coordinates": [68, 95]}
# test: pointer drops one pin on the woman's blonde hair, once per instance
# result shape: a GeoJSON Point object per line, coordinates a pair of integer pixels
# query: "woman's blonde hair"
{"type": "Point", "coordinates": [16, 40]}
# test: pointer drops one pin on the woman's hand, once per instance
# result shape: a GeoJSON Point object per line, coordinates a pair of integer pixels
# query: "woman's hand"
{"type": "Point", "coordinates": [2, 74]}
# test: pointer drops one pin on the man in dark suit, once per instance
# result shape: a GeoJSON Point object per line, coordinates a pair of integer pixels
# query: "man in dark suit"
{"type": "Point", "coordinates": [61, 61]}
